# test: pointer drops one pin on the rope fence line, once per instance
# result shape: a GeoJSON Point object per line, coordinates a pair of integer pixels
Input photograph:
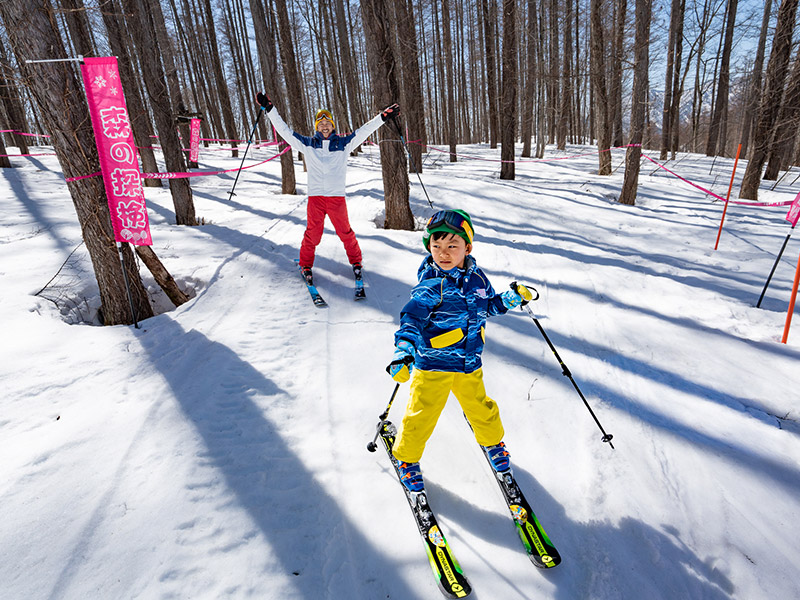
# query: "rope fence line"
{"type": "Point", "coordinates": [430, 148]}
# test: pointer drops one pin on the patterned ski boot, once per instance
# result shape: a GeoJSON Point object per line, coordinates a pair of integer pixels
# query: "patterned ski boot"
{"type": "Point", "coordinates": [499, 457]}
{"type": "Point", "coordinates": [411, 477]}
{"type": "Point", "coordinates": [307, 275]}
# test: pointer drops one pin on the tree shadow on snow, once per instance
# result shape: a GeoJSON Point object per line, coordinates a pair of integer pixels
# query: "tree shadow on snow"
{"type": "Point", "coordinates": [626, 561]}
{"type": "Point", "coordinates": [306, 530]}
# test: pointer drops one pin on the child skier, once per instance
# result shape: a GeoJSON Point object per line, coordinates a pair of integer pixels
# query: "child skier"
{"type": "Point", "coordinates": [326, 155]}
{"type": "Point", "coordinates": [442, 330]}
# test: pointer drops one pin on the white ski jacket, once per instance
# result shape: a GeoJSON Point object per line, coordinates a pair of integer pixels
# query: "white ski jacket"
{"type": "Point", "coordinates": [326, 159]}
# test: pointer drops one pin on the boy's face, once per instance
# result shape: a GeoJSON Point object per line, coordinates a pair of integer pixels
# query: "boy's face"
{"type": "Point", "coordinates": [449, 251]}
{"type": "Point", "coordinates": [325, 127]}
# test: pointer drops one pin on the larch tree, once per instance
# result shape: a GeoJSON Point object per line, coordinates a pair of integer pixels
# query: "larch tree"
{"type": "Point", "coordinates": [771, 98]}
{"type": "Point", "coordinates": [600, 87]}
{"type": "Point", "coordinates": [508, 113]}
{"type": "Point", "coordinates": [59, 97]}
{"type": "Point", "coordinates": [384, 67]}
{"type": "Point", "coordinates": [718, 126]}
{"type": "Point", "coordinates": [268, 59]}
{"type": "Point", "coordinates": [144, 36]}
{"type": "Point", "coordinates": [639, 102]}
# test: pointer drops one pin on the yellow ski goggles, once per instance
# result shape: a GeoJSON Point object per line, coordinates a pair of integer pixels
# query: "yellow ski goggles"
{"type": "Point", "coordinates": [323, 113]}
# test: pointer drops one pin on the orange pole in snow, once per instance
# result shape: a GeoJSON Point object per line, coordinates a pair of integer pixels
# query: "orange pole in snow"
{"type": "Point", "coordinates": [791, 303]}
{"type": "Point", "coordinates": [728, 197]}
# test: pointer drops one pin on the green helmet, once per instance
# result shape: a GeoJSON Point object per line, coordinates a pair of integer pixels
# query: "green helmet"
{"type": "Point", "coordinates": [451, 221]}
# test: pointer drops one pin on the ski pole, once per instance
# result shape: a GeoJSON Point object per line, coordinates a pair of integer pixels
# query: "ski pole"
{"type": "Point", "coordinates": [250, 139]}
{"type": "Point", "coordinates": [411, 160]}
{"type": "Point", "coordinates": [372, 446]}
{"type": "Point", "coordinates": [564, 370]}
{"type": "Point", "coordinates": [774, 266]}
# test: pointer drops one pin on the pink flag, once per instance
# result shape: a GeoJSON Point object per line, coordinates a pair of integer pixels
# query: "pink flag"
{"type": "Point", "coordinates": [794, 211]}
{"type": "Point", "coordinates": [119, 162]}
{"type": "Point", "coordinates": [194, 139]}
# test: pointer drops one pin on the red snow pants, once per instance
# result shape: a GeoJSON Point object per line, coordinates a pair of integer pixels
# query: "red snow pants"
{"type": "Point", "coordinates": [336, 209]}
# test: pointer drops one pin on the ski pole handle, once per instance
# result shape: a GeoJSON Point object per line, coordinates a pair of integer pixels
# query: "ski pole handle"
{"type": "Point", "coordinates": [515, 286]}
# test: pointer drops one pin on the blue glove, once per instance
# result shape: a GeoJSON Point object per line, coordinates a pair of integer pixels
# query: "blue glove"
{"type": "Point", "coordinates": [514, 298]}
{"type": "Point", "coordinates": [402, 362]}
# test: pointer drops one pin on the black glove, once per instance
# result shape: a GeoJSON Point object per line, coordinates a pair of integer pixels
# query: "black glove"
{"type": "Point", "coordinates": [390, 112]}
{"type": "Point", "coordinates": [264, 101]}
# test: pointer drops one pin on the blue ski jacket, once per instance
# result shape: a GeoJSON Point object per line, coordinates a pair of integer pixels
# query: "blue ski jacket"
{"type": "Point", "coordinates": [326, 159]}
{"type": "Point", "coordinates": [445, 318]}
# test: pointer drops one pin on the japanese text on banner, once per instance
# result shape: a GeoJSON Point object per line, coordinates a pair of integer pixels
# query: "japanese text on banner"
{"type": "Point", "coordinates": [194, 139]}
{"type": "Point", "coordinates": [119, 162]}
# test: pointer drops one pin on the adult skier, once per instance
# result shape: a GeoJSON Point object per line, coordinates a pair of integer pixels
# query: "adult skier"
{"type": "Point", "coordinates": [326, 155]}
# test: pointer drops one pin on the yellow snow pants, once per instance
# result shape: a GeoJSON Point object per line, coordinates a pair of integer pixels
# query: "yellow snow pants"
{"type": "Point", "coordinates": [428, 395]}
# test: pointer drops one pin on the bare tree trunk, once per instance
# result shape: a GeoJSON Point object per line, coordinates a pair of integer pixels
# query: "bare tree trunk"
{"type": "Point", "coordinates": [541, 112]}
{"type": "Point", "coordinates": [32, 30]}
{"type": "Point", "coordinates": [146, 45]}
{"type": "Point", "coordinates": [268, 59]}
{"type": "Point", "coordinates": [78, 27]}
{"type": "Point", "coordinates": [449, 84]}
{"type": "Point", "coordinates": [491, 72]}
{"type": "Point", "coordinates": [755, 85]}
{"type": "Point", "coordinates": [602, 116]}
{"type": "Point", "coordinates": [139, 116]}
{"type": "Point", "coordinates": [716, 143]}
{"type": "Point", "coordinates": [786, 126]}
{"type": "Point", "coordinates": [508, 117]}
{"type": "Point", "coordinates": [414, 103]}
{"type": "Point", "coordinates": [770, 103]}
{"type": "Point", "coordinates": [5, 162]}
{"type": "Point", "coordinates": [161, 275]}
{"type": "Point", "coordinates": [566, 77]}
{"type": "Point", "coordinates": [531, 82]}
{"type": "Point", "coordinates": [12, 102]}
{"type": "Point", "coordinates": [673, 115]}
{"type": "Point", "coordinates": [639, 102]}
{"type": "Point", "coordinates": [299, 116]}
{"type": "Point", "coordinates": [348, 64]}
{"type": "Point", "coordinates": [620, 9]}
{"type": "Point", "coordinates": [386, 89]}
{"type": "Point", "coordinates": [665, 114]}
{"type": "Point", "coordinates": [219, 77]}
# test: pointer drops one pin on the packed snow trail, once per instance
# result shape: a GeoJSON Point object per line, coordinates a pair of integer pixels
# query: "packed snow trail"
{"type": "Point", "coordinates": [219, 451]}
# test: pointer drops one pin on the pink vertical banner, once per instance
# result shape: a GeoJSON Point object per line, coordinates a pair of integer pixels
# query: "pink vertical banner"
{"type": "Point", "coordinates": [119, 161]}
{"type": "Point", "coordinates": [794, 211]}
{"type": "Point", "coordinates": [194, 139]}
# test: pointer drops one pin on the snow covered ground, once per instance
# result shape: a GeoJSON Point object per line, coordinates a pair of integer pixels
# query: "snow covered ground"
{"type": "Point", "coordinates": [218, 451]}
